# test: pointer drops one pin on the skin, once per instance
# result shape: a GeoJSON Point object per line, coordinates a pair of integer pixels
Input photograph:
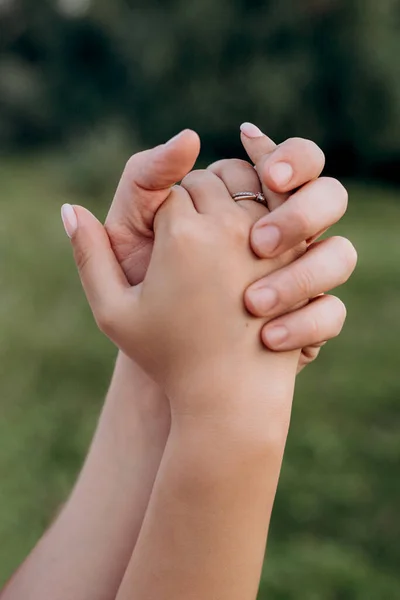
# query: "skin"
{"type": "Point", "coordinates": [230, 398]}
{"type": "Point", "coordinates": [134, 402]}
{"type": "Point", "coordinates": [147, 180]}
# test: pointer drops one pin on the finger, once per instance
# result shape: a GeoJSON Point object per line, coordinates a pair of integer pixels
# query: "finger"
{"type": "Point", "coordinates": [104, 283]}
{"type": "Point", "coordinates": [148, 178]}
{"type": "Point", "coordinates": [237, 175]}
{"type": "Point", "coordinates": [292, 164]}
{"type": "Point", "coordinates": [208, 192]}
{"type": "Point", "coordinates": [306, 214]}
{"type": "Point", "coordinates": [240, 176]}
{"type": "Point", "coordinates": [259, 147]}
{"type": "Point", "coordinates": [324, 266]}
{"type": "Point", "coordinates": [321, 320]}
{"type": "Point", "coordinates": [309, 354]}
{"type": "Point", "coordinates": [178, 204]}
{"type": "Point", "coordinates": [255, 142]}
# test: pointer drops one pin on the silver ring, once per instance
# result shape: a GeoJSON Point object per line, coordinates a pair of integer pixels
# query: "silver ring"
{"type": "Point", "coordinates": [260, 198]}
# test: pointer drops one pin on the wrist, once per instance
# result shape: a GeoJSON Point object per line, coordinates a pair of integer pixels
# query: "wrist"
{"type": "Point", "coordinates": [250, 397]}
{"type": "Point", "coordinates": [132, 390]}
{"type": "Point", "coordinates": [205, 456]}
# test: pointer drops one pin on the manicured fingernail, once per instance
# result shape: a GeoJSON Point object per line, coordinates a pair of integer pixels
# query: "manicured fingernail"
{"type": "Point", "coordinates": [250, 130]}
{"type": "Point", "coordinates": [263, 300]}
{"type": "Point", "coordinates": [276, 336]}
{"type": "Point", "coordinates": [69, 219]}
{"type": "Point", "coordinates": [173, 139]}
{"type": "Point", "coordinates": [281, 173]}
{"type": "Point", "coordinates": [266, 239]}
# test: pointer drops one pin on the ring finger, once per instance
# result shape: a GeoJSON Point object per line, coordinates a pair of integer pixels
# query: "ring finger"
{"type": "Point", "coordinates": [240, 176]}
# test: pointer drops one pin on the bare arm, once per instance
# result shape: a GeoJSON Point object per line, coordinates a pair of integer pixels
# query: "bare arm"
{"type": "Point", "coordinates": [85, 552]}
{"type": "Point", "coordinates": [206, 527]}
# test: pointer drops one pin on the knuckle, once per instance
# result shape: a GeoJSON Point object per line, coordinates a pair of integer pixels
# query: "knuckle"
{"type": "Point", "coordinates": [82, 257]}
{"type": "Point", "coordinates": [300, 220]}
{"type": "Point", "coordinates": [182, 230]}
{"type": "Point", "coordinates": [313, 328]}
{"type": "Point", "coordinates": [308, 148]}
{"type": "Point", "coordinates": [220, 166]}
{"type": "Point", "coordinates": [193, 177]}
{"type": "Point", "coordinates": [131, 164]}
{"type": "Point", "coordinates": [304, 282]}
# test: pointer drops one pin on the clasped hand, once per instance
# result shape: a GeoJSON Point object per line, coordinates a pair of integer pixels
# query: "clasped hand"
{"type": "Point", "coordinates": [296, 217]}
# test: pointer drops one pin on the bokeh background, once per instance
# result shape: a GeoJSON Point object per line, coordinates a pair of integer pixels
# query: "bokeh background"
{"type": "Point", "coordinates": [84, 84]}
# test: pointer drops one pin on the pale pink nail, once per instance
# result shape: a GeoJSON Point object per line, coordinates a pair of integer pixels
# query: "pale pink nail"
{"type": "Point", "coordinates": [250, 130]}
{"type": "Point", "coordinates": [281, 173]}
{"type": "Point", "coordinates": [69, 219]}
{"type": "Point", "coordinates": [263, 299]}
{"type": "Point", "coordinates": [266, 239]}
{"type": "Point", "coordinates": [276, 336]}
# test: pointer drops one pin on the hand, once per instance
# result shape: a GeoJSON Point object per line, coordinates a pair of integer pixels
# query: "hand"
{"type": "Point", "coordinates": [295, 218]}
{"type": "Point", "coordinates": [145, 184]}
{"type": "Point", "coordinates": [186, 324]}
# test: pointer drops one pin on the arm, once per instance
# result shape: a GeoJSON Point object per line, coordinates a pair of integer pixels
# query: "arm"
{"type": "Point", "coordinates": [85, 552]}
{"type": "Point", "coordinates": [144, 186]}
{"type": "Point", "coordinates": [206, 527]}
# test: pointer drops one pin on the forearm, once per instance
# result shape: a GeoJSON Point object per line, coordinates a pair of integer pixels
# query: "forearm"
{"type": "Point", "coordinates": [206, 526]}
{"type": "Point", "coordinates": [85, 553]}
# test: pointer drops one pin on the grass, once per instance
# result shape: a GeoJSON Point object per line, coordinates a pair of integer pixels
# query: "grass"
{"type": "Point", "coordinates": [335, 528]}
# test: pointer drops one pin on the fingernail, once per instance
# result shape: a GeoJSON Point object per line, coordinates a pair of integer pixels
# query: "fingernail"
{"type": "Point", "coordinates": [173, 139]}
{"type": "Point", "coordinates": [250, 130]}
{"type": "Point", "coordinates": [266, 239]}
{"type": "Point", "coordinates": [281, 173]}
{"type": "Point", "coordinates": [69, 219]}
{"type": "Point", "coordinates": [276, 336]}
{"type": "Point", "coordinates": [263, 300]}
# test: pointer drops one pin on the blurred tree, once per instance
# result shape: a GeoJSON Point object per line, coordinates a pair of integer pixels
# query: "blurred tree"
{"type": "Point", "coordinates": [326, 69]}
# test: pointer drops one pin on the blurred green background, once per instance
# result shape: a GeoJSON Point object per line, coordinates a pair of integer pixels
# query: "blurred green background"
{"type": "Point", "coordinates": [83, 84]}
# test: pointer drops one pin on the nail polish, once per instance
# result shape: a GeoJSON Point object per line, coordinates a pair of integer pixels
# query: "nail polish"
{"type": "Point", "coordinates": [69, 220]}
{"type": "Point", "coordinates": [250, 130]}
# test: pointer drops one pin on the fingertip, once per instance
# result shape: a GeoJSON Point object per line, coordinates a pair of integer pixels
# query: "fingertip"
{"type": "Point", "coordinates": [255, 142]}
{"type": "Point", "coordinates": [251, 131]}
{"type": "Point", "coordinates": [187, 137]}
{"type": "Point", "coordinates": [276, 337]}
{"type": "Point", "coordinates": [69, 219]}
{"type": "Point", "coordinates": [265, 238]}
{"type": "Point", "coordinates": [178, 156]}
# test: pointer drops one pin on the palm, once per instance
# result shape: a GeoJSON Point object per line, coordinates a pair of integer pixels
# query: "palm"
{"type": "Point", "coordinates": [133, 251]}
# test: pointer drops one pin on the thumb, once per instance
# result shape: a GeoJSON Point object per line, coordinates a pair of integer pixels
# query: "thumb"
{"type": "Point", "coordinates": [148, 178]}
{"type": "Point", "coordinates": [101, 276]}
{"type": "Point", "coordinates": [163, 166]}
